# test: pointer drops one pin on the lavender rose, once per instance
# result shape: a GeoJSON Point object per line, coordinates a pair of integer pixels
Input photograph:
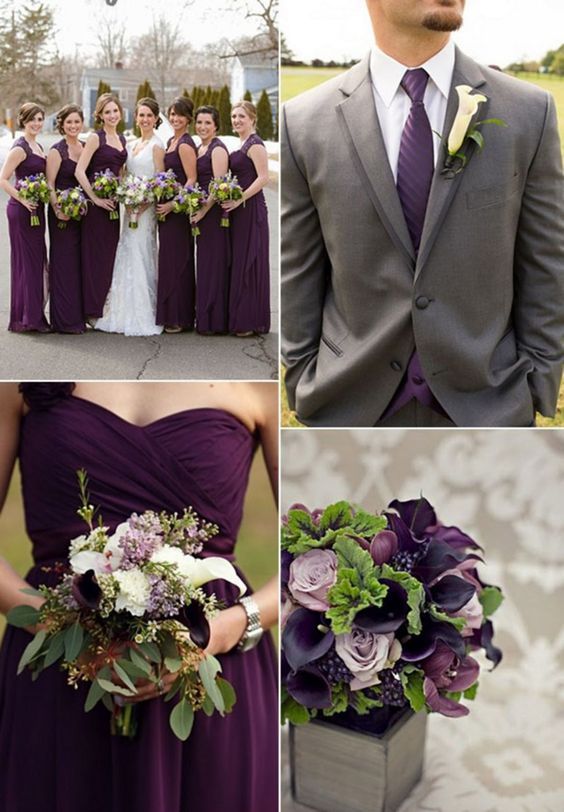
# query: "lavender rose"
{"type": "Point", "coordinates": [365, 654]}
{"type": "Point", "coordinates": [311, 577]}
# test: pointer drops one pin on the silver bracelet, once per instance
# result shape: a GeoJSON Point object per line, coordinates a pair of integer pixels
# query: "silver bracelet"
{"type": "Point", "coordinates": [254, 630]}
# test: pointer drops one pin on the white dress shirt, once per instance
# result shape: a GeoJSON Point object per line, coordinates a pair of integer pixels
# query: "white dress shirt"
{"type": "Point", "coordinates": [393, 103]}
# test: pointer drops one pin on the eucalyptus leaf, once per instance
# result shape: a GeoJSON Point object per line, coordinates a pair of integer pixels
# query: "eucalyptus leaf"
{"type": "Point", "coordinates": [74, 636]}
{"type": "Point", "coordinates": [208, 669]}
{"type": "Point", "coordinates": [94, 695]}
{"type": "Point", "coordinates": [108, 702]}
{"type": "Point", "coordinates": [182, 719]}
{"type": "Point", "coordinates": [176, 686]}
{"type": "Point", "coordinates": [56, 648]}
{"type": "Point", "coordinates": [151, 651]}
{"type": "Point", "coordinates": [112, 688]}
{"type": "Point", "coordinates": [208, 707]}
{"type": "Point", "coordinates": [133, 670]}
{"type": "Point", "coordinates": [227, 692]}
{"type": "Point", "coordinates": [32, 650]}
{"type": "Point", "coordinates": [124, 676]}
{"type": "Point", "coordinates": [172, 664]}
{"type": "Point", "coordinates": [140, 662]}
{"type": "Point", "coordinates": [22, 616]}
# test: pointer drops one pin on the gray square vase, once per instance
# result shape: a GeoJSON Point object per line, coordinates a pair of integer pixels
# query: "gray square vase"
{"type": "Point", "coordinates": [339, 770]}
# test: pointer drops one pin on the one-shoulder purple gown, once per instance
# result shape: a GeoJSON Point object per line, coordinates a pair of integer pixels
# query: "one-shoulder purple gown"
{"type": "Point", "coordinates": [28, 254]}
{"type": "Point", "coordinates": [99, 234]}
{"type": "Point", "coordinates": [54, 757]}
{"type": "Point", "coordinates": [213, 255]}
{"type": "Point", "coordinates": [65, 281]}
{"type": "Point", "coordinates": [176, 288]}
{"type": "Point", "coordinates": [249, 292]}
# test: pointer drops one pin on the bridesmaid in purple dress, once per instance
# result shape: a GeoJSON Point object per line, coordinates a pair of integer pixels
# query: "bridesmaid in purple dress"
{"type": "Point", "coordinates": [146, 446]}
{"type": "Point", "coordinates": [249, 292]}
{"type": "Point", "coordinates": [213, 247]}
{"type": "Point", "coordinates": [28, 251]}
{"type": "Point", "coordinates": [104, 149]}
{"type": "Point", "coordinates": [65, 281]}
{"type": "Point", "coordinates": [176, 291]}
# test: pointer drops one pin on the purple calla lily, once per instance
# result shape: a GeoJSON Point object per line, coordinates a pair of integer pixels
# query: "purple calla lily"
{"type": "Point", "coordinates": [195, 620]}
{"type": "Point", "coordinates": [388, 617]}
{"type": "Point", "coordinates": [482, 638]}
{"type": "Point", "coordinates": [453, 537]}
{"type": "Point", "coordinates": [417, 514]}
{"type": "Point", "coordinates": [309, 687]}
{"type": "Point", "coordinates": [85, 590]}
{"type": "Point", "coordinates": [418, 647]}
{"type": "Point", "coordinates": [303, 639]}
{"type": "Point", "coordinates": [438, 558]}
{"type": "Point", "coordinates": [445, 671]}
{"type": "Point", "coordinates": [451, 593]}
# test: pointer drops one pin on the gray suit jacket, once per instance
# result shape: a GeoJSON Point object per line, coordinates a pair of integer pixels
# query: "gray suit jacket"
{"type": "Point", "coordinates": [484, 299]}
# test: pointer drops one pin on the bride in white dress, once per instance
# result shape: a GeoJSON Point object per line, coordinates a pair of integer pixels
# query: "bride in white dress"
{"type": "Point", "coordinates": [131, 304]}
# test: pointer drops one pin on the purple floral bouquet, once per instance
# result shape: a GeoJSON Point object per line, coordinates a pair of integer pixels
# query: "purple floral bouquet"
{"type": "Point", "coordinates": [381, 612]}
{"type": "Point", "coordinates": [135, 192]}
{"type": "Point", "coordinates": [105, 185]}
{"type": "Point", "coordinates": [165, 187]}
{"type": "Point", "coordinates": [130, 608]}
{"type": "Point", "coordinates": [34, 189]}
{"type": "Point", "coordinates": [189, 200]}
{"type": "Point", "coordinates": [223, 189]}
{"type": "Point", "coordinates": [72, 203]}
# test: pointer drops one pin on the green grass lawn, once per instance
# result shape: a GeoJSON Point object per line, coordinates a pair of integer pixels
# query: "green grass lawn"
{"type": "Point", "coordinates": [297, 80]}
{"type": "Point", "coordinates": [257, 548]}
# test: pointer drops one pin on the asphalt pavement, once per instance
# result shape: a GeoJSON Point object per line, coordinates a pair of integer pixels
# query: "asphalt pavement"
{"type": "Point", "coordinates": [95, 355]}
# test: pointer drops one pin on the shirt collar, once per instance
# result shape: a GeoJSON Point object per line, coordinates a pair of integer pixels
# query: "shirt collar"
{"type": "Point", "coordinates": [386, 72]}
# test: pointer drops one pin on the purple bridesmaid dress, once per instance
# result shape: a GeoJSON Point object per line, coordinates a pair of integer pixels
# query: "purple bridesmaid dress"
{"type": "Point", "coordinates": [65, 281]}
{"type": "Point", "coordinates": [28, 254]}
{"type": "Point", "coordinates": [54, 757]}
{"type": "Point", "coordinates": [99, 234]}
{"type": "Point", "coordinates": [176, 288]}
{"type": "Point", "coordinates": [249, 292]}
{"type": "Point", "coordinates": [213, 250]}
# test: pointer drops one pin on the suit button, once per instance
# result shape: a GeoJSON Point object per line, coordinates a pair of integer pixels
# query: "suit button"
{"type": "Point", "coordinates": [422, 302]}
{"type": "Point", "coordinates": [396, 366]}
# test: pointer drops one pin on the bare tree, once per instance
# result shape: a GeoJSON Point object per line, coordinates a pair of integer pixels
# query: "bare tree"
{"type": "Point", "coordinates": [162, 51]}
{"type": "Point", "coordinates": [112, 42]}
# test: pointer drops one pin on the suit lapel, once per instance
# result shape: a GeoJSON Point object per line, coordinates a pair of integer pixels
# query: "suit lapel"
{"type": "Point", "coordinates": [362, 130]}
{"type": "Point", "coordinates": [443, 188]}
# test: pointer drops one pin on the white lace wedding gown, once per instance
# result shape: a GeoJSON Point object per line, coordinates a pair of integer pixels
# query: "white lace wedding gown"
{"type": "Point", "coordinates": [132, 301]}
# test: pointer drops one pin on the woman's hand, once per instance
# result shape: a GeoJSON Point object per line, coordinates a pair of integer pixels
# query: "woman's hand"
{"type": "Point", "coordinates": [229, 205]}
{"type": "Point", "coordinates": [104, 203]}
{"type": "Point", "coordinates": [165, 208]}
{"type": "Point", "coordinates": [226, 628]}
{"type": "Point", "coordinates": [31, 207]}
{"type": "Point", "coordinates": [60, 216]}
{"type": "Point", "coordinates": [199, 215]}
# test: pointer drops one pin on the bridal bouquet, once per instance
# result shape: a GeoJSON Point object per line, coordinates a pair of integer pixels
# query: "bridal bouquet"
{"type": "Point", "coordinates": [73, 203]}
{"type": "Point", "coordinates": [105, 185]}
{"type": "Point", "coordinates": [189, 200]}
{"type": "Point", "coordinates": [381, 611]}
{"type": "Point", "coordinates": [135, 192]}
{"type": "Point", "coordinates": [223, 189]}
{"type": "Point", "coordinates": [130, 608]}
{"type": "Point", "coordinates": [34, 189]}
{"type": "Point", "coordinates": [165, 187]}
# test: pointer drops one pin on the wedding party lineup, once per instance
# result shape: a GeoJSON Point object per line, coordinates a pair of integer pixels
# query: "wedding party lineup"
{"type": "Point", "coordinates": [281, 406]}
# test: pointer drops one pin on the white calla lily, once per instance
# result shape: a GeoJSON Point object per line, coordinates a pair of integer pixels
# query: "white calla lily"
{"type": "Point", "coordinates": [88, 560]}
{"type": "Point", "coordinates": [202, 570]}
{"type": "Point", "coordinates": [467, 107]}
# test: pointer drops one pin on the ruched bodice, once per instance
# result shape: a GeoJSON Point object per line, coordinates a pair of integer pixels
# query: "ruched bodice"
{"type": "Point", "coordinates": [195, 457]}
{"type": "Point", "coordinates": [107, 157]}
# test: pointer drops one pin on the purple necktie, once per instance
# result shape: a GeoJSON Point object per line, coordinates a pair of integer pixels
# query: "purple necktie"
{"type": "Point", "coordinates": [415, 162]}
{"type": "Point", "coordinates": [414, 175]}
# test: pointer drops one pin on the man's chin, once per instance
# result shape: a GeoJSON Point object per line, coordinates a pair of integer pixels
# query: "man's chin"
{"type": "Point", "coordinates": [444, 20]}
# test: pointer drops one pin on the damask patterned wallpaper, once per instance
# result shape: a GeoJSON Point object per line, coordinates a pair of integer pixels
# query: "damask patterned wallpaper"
{"type": "Point", "coordinates": [506, 489]}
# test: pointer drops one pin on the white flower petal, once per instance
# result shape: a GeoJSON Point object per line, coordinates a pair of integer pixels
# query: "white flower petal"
{"type": "Point", "coordinates": [202, 570]}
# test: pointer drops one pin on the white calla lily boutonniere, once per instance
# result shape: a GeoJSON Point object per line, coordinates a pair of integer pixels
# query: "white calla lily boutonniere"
{"type": "Point", "coordinates": [463, 130]}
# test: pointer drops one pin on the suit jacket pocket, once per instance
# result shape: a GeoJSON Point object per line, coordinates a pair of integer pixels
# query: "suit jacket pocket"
{"type": "Point", "coordinates": [335, 349]}
{"type": "Point", "coordinates": [490, 196]}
